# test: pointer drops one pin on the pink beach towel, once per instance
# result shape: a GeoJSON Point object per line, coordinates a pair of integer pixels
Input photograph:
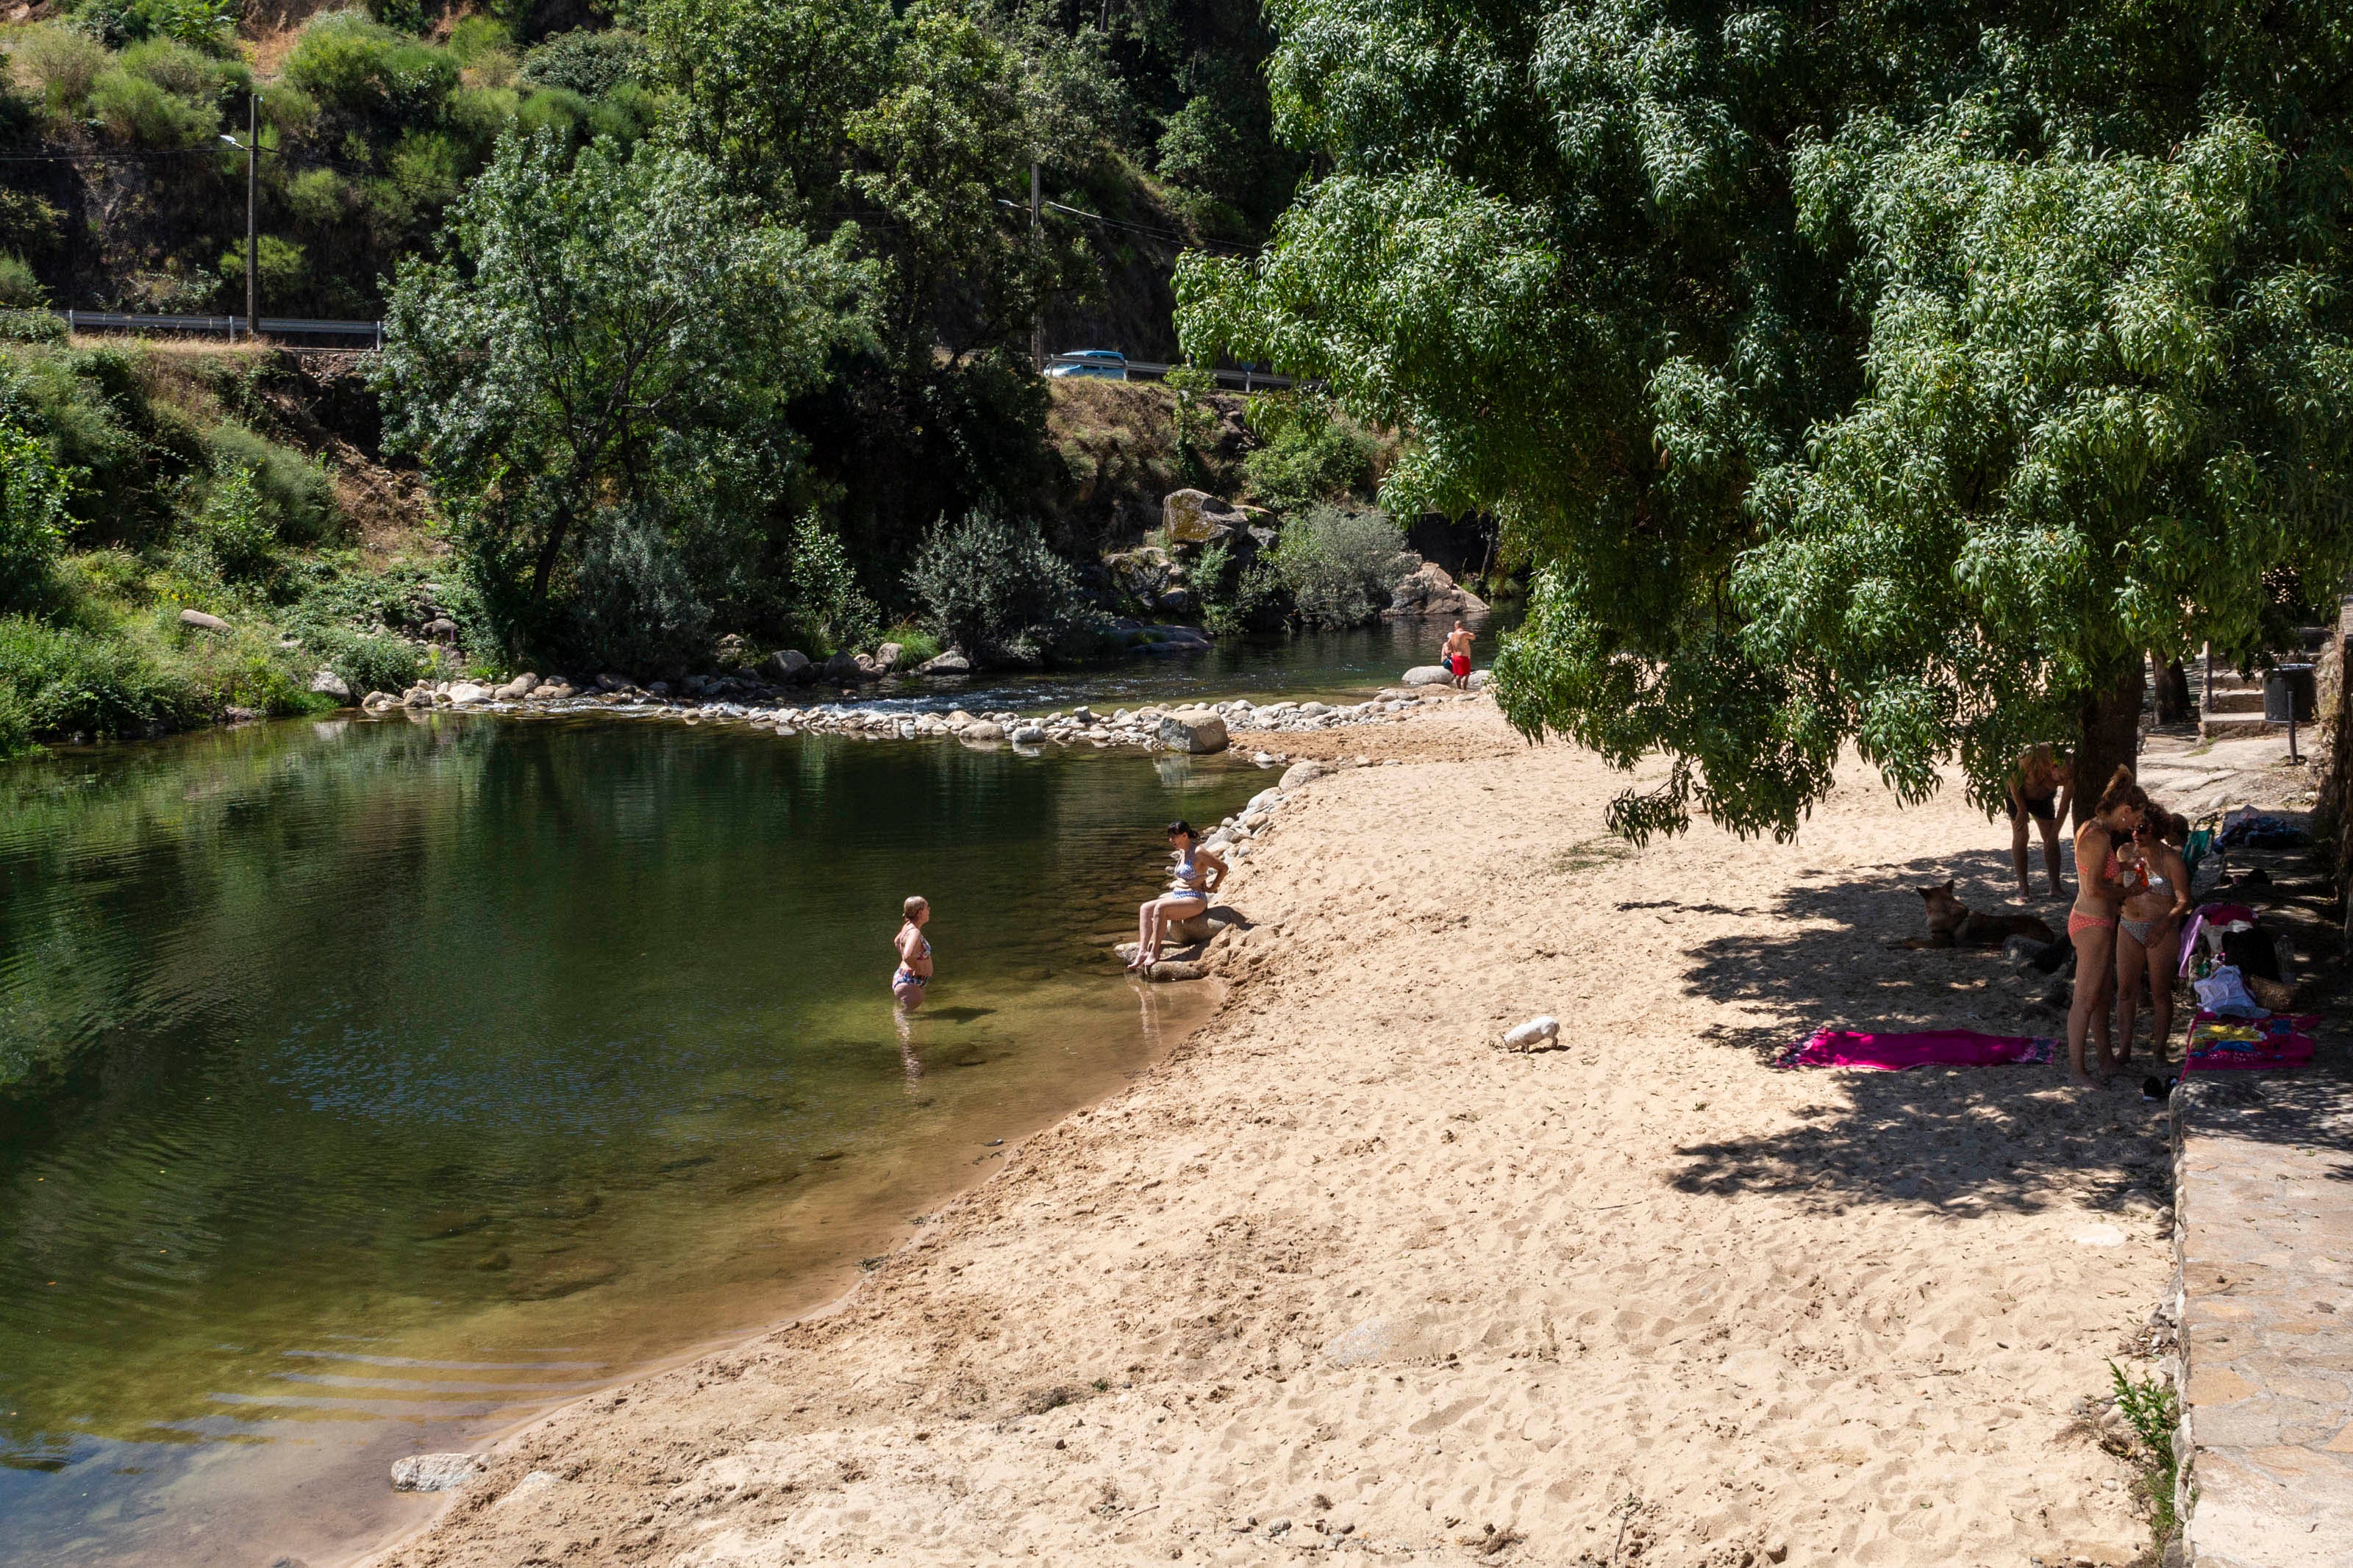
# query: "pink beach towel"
{"type": "Point", "coordinates": [2226, 1045]}
{"type": "Point", "coordinates": [1894, 1053]}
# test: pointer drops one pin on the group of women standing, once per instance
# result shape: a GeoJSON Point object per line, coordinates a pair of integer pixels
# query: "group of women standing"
{"type": "Point", "coordinates": [2132, 893]}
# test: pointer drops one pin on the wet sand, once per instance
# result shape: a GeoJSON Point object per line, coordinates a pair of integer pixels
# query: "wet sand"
{"type": "Point", "coordinates": [1340, 1274]}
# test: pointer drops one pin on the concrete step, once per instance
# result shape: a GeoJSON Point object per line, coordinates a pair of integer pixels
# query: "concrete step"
{"type": "Point", "coordinates": [2245, 699]}
{"type": "Point", "coordinates": [2227, 726]}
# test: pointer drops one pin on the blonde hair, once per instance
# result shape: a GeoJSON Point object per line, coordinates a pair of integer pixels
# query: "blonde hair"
{"type": "Point", "coordinates": [915, 903]}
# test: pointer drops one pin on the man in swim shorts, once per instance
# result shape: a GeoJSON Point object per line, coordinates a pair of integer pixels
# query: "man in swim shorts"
{"type": "Point", "coordinates": [1458, 656]}
{"type": "Point", "coordinates": [2040, 786]}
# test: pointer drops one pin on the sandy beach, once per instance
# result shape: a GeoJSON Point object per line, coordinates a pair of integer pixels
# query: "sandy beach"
{"type": "Point", "coordinates": [1340, 1275]}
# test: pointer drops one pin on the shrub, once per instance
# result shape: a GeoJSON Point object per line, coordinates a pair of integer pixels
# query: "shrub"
{"type": "Point", "coordinates": [361, 69]}
{"type": "Point", "coordinates": [828, 610]}
{"type": "Point", "coordinates": [182, 71]}
{"type": "Point", "coordinates": [591, 64]}
{"type": "Point", "coordinates": [135, 109]}
{"type": "Point", "coordinates": [993, 588]}
{"type": "Point", "coordinates": [1340, 566]}
{"type": "Point", "coordinates": [367, 661]}
{"type": "Point", "coordinates": [32, 327]}
{"type": "Point", "coordinates": [73, 680]}
{"type": "Point", "coordinates": [64, 61]}
{"type": "Point", "coordinates": [315, 197]}
{"type": "Point", "coordinates": [916, 644]}
{"type": "Point", "coordinates": [284, 268]}
{"type": "Point", "coordinates": [633, 606]}
{"type": "Point", "coordinates": [19, 290]}
{"type": "Point", "coordinates": [1253, 600]}
{"type": "Point", "coordinates": [1311, 453]}
{"type": "Point", "coordinates": [31, 517]}
{"type": "Point", "coordinates": [295, 493]}
{"type": "Point", "coordinates": [235, 531]}
{"type": "Point", "coordinates": [15, 725]}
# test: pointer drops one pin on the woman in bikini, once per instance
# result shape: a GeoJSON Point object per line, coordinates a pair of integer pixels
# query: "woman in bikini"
{"type": "Point", "coordinates": [2148, 928]}
{"type": "Point", "coordinates": [2038, 790]}
{"type": "Point", "coordinates": [2091, 923]}
{"type": "Point", "coordinates": [1197, 875]}
{"type": "Point", "coordinates": [914, 971]}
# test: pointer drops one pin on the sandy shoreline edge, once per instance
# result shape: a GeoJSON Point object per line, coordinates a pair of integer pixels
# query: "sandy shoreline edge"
{"type": "Point", "coordinates": [1337, 1274]}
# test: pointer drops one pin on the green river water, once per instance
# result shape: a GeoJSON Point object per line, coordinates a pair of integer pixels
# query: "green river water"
{"type": "Point", "coordinates": [378, 1084]}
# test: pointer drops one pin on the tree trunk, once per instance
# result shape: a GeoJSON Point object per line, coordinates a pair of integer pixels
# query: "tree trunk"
{"type": "Point", "coordinates": [2111, 734]}
{"type": "Point", "coordinates": [2173, 702]}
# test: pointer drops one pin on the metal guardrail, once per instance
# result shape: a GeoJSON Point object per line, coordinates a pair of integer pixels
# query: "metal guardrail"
{"type": "Point", "coordinates": [232, 327]}
{"type": "Point", "coordinates": [1248, 380]}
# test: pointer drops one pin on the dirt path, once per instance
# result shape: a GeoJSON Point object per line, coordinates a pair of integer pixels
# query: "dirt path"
{"type": "Point", "coordinates": [1343, 1264]}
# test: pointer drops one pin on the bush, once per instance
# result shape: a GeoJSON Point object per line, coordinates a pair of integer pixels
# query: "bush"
{"type": "Point", "coordinates": [32, 327]}
{"type": "Point", "coordinates": [367, 661]}
{"type": "Point", "coordinates": [236, 532]}
{"type": "Point", "coordinates": [828, 610]}
{"type": "Point", "coordinates": [64, 61]}
{"type": "Point", "coordinates": [181, 71]}
{"type": "Point", "coordinates": [15, 725]}
{"type": "Point", "coordinates": [19, 290]}
{"type": "Point", "coordinates": [284, 270]}
{"type": "Point", "coordinates": [1253, 601]}
{"type": "Point", "coordinates": [993, 588]}
{"type": "Point", "coordinates": [135, 109]}
{"type": "Point", "coordinates": [1311, 453]}
{"type": "Point", "coordinates": [31, 517]}
{"type": "Point", "coordinates": [591, 64]}
{"type": "Point", "coordinates": [71, 680]}
{"type": "Point", "coordinates": [295, 493]}
{"type": "Point", "coordinates": [916, 644]}
{"type": "Point", "coordinates": [361, 69]}
{"type": "Point", "coordinates": [1341, 566]}
{"type": "Point", "coordinates": [633, 607]}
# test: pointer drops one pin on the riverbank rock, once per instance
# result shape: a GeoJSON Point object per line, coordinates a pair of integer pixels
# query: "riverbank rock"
{"type": "Point", "coordinates": [467, 691]}
{"type": "Point", "coordinates": [1197, 517]}
{"type": "Point", "coordinates": [1430, 591]}
{"type": "Point", "coordinates": [379, 702]}
{"type": "Point", "coordinates": [847, 667]}
{"type": "Point", "coordinates": [788, 664]}
{"type": "Point", "coordinates": [1428, 675]}
{"type": "Point", "coordinates": [952, 662]}
{"type": "Point", "coordinates": [433, 1472]}
{"type": "Point", "coordinates": [202, 621]}
{"type": "Point", "coordinates": [327, 683]}
{"type": "Point", "coordinates": [1193, 730]}
{"type": "Point", "coordinates": [981, 730]}
{"type": "Point", "coordinates": [1144, 573]}
{"type": "Point", "coordinates": [886, 656]}
{"type": "Point", "coordinates": [1172, 969]}
{"type": "Point", "coordinates": [1298, 774]}
{"type": "Point", "coordinates": [520, 686]}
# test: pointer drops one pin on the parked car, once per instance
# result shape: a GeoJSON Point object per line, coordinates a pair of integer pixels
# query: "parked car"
{"type": "Point", "coordinates": [1100, 365]}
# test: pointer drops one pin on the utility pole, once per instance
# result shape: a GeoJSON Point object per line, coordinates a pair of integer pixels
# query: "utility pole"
{"type": "Point", "coordinates": [252, 234]}
{"type": "Point", "coordinates": [1037, 236]}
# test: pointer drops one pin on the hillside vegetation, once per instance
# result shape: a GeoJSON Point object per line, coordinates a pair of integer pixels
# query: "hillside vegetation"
{"type": "Point", "coordinates": [710, 323]}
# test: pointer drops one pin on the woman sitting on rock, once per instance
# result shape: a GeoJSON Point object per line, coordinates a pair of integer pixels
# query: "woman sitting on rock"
{"type": "Point", "coordinates": [1197, 875]}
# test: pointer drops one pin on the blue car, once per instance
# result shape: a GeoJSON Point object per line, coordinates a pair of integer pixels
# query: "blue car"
{"type": "Point", "coordinates": [1100, 365]}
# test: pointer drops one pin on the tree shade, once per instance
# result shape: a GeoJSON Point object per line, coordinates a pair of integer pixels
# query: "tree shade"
{"type": "Point", "coordinates": [1849, 374]}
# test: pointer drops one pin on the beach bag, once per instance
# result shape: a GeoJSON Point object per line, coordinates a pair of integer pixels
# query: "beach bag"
{"type": "Point", "coordinates": [2224, 994]}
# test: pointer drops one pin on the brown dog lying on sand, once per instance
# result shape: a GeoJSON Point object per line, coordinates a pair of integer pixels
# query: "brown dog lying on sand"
{"type": "Point", "coordinates": [1952, 924]}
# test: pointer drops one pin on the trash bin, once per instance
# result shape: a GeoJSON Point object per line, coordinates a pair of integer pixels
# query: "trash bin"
{"type": "Point", "coordinates": [2288, 694]}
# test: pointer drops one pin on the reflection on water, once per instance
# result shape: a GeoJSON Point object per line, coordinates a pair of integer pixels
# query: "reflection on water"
{"type": "Point", "coordinates": [374, 1083]}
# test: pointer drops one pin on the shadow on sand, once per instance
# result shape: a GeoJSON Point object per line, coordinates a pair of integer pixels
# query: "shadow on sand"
{"type": "Point", "coordinates": [1958, 1140]}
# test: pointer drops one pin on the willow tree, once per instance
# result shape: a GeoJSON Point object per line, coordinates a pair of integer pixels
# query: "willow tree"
{"type": "Point", "coordinates": [1849, 374]}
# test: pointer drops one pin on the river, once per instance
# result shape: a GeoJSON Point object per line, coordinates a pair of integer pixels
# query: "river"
{"type": "Point", "coordinates": [375, 1085]}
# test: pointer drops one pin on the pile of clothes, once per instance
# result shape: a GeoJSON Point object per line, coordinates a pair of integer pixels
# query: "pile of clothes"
{"type": "Point", "coordinates": [2243, 1019]}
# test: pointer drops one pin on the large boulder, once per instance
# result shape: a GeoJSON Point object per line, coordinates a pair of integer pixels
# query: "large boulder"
{"type": "Point", "coordinates": [467, 691]}
{"type": "Point", "coordinates": [1143, 574]}
{"type": "Point", "coordinates": [1193, 730]}
{"type": "Point", "coordinates": [442, 628]}
{"type": "Point", "coordinates": [1429, 591]}
{"type": "Point", "coordinates": [952, 662]}
{"type": "Point", "coordinates": [1298, 774]}
{"type": "Point", "coordinates": [520, 686]}
{"type": "Point", "coordinates": [886, 656]}
{"type": "Point", "coordinates": [1428, 675]}
{"type": "Point", "coordinates": [1197, 517]}
{"type": "Point", "coordinates": [846, 666]}
{"type": "Point", "coordinates": [327, 683]}
{"type": "Point", "coordinates": [788, 664]}
{"type": "Point", "coordinates": [202, 621]}
{"type": "Point", "coordinates": [982, 729]}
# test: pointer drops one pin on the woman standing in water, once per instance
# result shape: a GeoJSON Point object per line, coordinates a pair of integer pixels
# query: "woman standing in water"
{"type": "Point", "coordinates": [1195, 877]}
{"type": "Point", "coordinates": [2091, 923]}
{"type": "Point", "coordinates": [914, 971]}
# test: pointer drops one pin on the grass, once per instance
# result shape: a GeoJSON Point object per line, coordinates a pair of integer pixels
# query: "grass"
{"type": "Point", "coordinates": [1589, 853]}
{"type": "Point", "coordinates": [2152, 1408]}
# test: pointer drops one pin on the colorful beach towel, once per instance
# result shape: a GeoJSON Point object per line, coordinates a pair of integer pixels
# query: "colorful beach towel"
{"type": "Point", "coordinates": [1894, 1053]}
{"type": "Point", "coordinates": [2226, 1045]}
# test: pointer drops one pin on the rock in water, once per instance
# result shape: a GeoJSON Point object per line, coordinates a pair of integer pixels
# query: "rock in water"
{"type": "Point", "coordinates": [949, 663]}
{"type": "Point", "coordinates": [1430, 592]}
{"type": "Point", "coordinates": [1169, 969]}
{"type": "Point", "coordinates": [886, 657]}
{"type": "Point", "coordinates": [521, 685]}
{"type": "Point", "coordinates": [198, 618]}
{"type": "Point", "coordinates": [1428, 674]}
{"type": "Point", "coordinates": [787, 664]}
{"type": "Point", "coordinates": [1193, 730]}
{"type": "Point", "coordinates": [982, 729]}
{"type": "Point", "coordinates": [327, 683]}
{"type": "Point", "coordinates": [1029, 735]}
{"type": "Point", "coordinates": [378, 702]}
{"type": "Point", "coordinates": [432, 1472]}
{"type": "Point", "coordinates": [467, 691]}
{"type": "Point", "coordinates": [1535, 1035]}
{"type": "Point", "coordinates": [1298, 774]}
{"type": "Point", "coordinates": [845, 666]}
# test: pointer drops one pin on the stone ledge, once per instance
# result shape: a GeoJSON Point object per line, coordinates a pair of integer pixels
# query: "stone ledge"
{"type": "Point", "coordinates": [2264, 1244]}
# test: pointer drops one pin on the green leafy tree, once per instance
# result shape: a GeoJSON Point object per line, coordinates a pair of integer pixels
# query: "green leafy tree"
{"type": "Point", "coordinates": [604, 332]}
{"type": "Point", "coordinates": [31, 517]}
{"type": "Point", "coordinates": [1847, 375]}
{"type": "Point", "coordinates": [993, 588]}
